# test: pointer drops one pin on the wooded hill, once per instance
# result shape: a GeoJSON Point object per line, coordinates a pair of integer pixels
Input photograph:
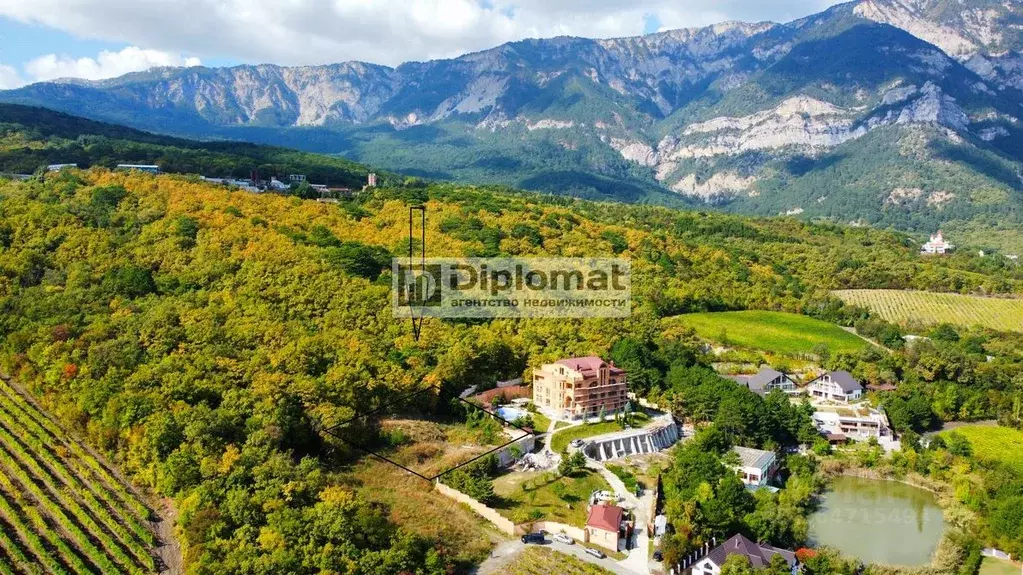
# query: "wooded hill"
{"type": "Point", "coordinates": [201, 337]}
{"type": "Point", "coordinates": [31, 138]}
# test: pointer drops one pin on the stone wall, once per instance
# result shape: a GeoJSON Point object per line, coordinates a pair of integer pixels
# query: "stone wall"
{"type": "Point", "coordinates": [490, 514]}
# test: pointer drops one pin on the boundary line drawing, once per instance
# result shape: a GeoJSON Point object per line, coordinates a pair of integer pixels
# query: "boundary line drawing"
{"type": "Point", "coordinates": [417, 326]}
{"type": "Point", "coordinates": [333, 431]}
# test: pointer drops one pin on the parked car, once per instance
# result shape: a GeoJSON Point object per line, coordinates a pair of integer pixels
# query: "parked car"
{"type": "Point", "coordinates": [536, 538]}
{"type": "Point", "coordinates": [562, 538]}
{"type": "Point", "coordinates": [577, 443]}
{"type": "Point", "coordinates": [596, 552]}
{"type": "Point", "coordinates": [658, 556]}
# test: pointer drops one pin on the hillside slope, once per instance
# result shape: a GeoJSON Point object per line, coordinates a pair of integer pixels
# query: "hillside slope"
{"type": "Point", "coordinates": [201, 337]}
{"type": "Point", "coordinates": [32, 137]}
{"type": "Point", "coordinates": [766, 118]}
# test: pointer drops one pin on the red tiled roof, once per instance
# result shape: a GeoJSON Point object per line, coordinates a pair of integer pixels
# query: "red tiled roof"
{"type": "Point", "coordinates": [510, 392]}
{"type": "Point", "coordinates": [590, 363]}
{"type": "Point", "coordinates": [605, 517]}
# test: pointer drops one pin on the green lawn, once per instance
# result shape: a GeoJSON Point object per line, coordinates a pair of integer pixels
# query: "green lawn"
{"type": "Point", "coordinates": [562, 438]}
{"type": "Point", "coordinates": [770, 331]}
{"type": "Point", "coordinates": [540, 495]}
{"type": "Point", "coordinates": [992, 566]}
{"type": "Point", "coordinates": [540, 422]}
{"type": "Point", "coordinates": [995, 443]}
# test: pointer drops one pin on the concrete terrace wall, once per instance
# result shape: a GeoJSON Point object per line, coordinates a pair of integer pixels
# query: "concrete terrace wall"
{"type": "Point", "coordinates": [488, 513]}
{"type": "Point", "coordinates": [635, 442]}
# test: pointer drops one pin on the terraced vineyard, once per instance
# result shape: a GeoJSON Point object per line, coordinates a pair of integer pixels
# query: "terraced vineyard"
{"type": "Point", "coordinates": [62, 511]}
{"type": "Point", "coordinates": [932, 308]}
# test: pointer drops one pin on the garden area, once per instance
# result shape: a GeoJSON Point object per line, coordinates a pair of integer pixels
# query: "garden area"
{"type": "Point", "coordinates": [533, 496]}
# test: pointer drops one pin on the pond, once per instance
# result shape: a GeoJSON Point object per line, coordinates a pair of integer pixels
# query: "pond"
{"type": "Point", "coordinates": [878, 521]}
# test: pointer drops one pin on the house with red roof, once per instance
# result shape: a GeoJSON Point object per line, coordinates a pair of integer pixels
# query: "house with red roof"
{"type": "Point", "coordinates": [579, 387]}
{"type": "Point", "coordinates": [603, 526]}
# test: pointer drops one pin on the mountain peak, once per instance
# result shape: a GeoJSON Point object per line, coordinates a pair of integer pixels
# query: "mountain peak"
{"type": "Point", "coordinates": [961, 29]}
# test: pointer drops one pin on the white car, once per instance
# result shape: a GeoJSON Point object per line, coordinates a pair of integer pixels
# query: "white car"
{"type": "Point", "coordinates": [596, 553]}
{"type": "Point", "coordinates": [577, 443]}
{"type": "Point", "coordinates": [562, 538]}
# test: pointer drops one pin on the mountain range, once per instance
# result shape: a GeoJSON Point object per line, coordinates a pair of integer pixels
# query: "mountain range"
{"type": "Point", "coordinates": [902, 113]}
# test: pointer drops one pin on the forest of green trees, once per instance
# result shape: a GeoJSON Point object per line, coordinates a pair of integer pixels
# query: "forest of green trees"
{"type": "Point", "coordinates": [202, 337]}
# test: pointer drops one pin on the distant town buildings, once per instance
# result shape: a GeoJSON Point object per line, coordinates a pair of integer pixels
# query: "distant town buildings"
{"type": "Point", "coordinates": [756, 466]}
{"type": "Point", "coordinates": [937, 245]}
{"type": "Point", "coordinates": [148, 168]}
{"type": "Point", "coordinates": [603, 525]}
{"type": "Point", "coordinates": [245, 185]}
{"type": "Point", "coordinates": [371, 180]}
{"type": "Point", "coordinates": [836, 386]}
{"type": "Point", "coordinates": [758, 555]}
{"type": "Point", "coordinates": [296, 178]}
{"type": "Point", "coordinates": [579, 387]}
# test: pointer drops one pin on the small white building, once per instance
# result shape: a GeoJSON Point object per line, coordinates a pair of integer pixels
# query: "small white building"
{"type": "Point", "coordinates": [756, 466]}
{"type": "Point", "coordinates": [59, 167]}
{"type": "Point", "coordinates": [836, 386]}
{"type": "Point", "coordinates": [936, 245]}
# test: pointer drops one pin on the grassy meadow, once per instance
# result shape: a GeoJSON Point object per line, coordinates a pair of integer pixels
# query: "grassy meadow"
{"type": "Point", "coordinates": [769, 331]}
{"type": "Point", "coordinates": [995, 443]}
{"type": "Point", "coordinates": [927, 308]}
{"type": "Point", "coordinates": [992, 566]}
{"type": "Point", "coordinates": [541, 561]}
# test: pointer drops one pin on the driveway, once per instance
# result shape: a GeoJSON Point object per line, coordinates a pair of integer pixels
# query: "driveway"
{"type": "Point", "coordinates": [506, 552]}
{"type": "Point", "coordinates": [638, 559]}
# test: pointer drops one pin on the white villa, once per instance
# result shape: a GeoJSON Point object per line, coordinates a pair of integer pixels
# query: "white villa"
{"type": "Point", "coordinates": [756, 466]}
{"type": "Point", "coordinates": [937, 245]}
{"type": "Point", "coordinates": [858, 423]}
{"type": "Point", "coordinates": [836, 386]}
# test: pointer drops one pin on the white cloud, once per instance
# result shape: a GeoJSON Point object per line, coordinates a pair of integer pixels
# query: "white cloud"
{"type": "Point", "coordinates": [379, 31]}
{"type": "Point", "coordinates": [105, 65]}
{"type": "Point", "coordinates": [9, 78]}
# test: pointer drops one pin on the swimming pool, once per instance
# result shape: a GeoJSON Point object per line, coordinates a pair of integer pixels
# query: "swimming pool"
{"type": "Point", "coordinates": [510, 413]}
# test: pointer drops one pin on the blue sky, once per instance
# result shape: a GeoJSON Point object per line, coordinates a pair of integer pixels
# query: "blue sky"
{"type": "Point", "coordinates": [94, 39]}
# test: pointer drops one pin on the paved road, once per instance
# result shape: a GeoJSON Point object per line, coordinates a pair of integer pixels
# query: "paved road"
{"type": "Point", "coordinates": [507, 551]}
